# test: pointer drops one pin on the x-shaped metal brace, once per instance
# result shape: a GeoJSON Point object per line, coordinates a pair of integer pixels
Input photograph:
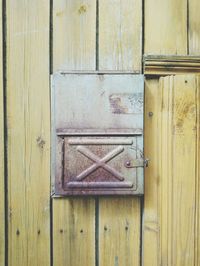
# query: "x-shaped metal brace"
{"type": "Point", "coordinates": [100, 162]}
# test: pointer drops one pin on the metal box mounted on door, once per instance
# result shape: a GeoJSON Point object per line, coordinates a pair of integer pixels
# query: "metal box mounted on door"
{"type": "Point", "coordinates": [97, 131]}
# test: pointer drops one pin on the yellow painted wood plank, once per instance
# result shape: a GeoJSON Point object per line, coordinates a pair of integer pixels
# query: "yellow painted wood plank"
{"type": "Point", "coordinates": [165, 169]}
{"type": "Point", "coordinates": [194, 24]}
{"type": "Point", "coordinates": [74, 48]}
{"type": "Point", "coordinates": [74, 232]}
{"type": "Point", "coordinates": [172, 176]}
{"type": "Point", "coordinates": [151, 199]}
{"type": "Point", "coordinates": [74, 34]}
{"type": "Point", "coordinates": [183, 169]}
{"type": "Point", "coordinates": [120, 35]}
{"type": "Point", "coordinates": [197, 228]}
{"type": "Point", "coordinates": [2, 212]}
{"type": "Point", "coordinates": [119, 231]}
{"type": "Point", "coordinates": [28, 119]}
{"type": "Point", "coordinates": [165, 27]}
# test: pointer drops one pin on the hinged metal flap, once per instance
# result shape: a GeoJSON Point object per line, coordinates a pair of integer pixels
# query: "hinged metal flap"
{"type": "Point", "coordinates": [98, 102]}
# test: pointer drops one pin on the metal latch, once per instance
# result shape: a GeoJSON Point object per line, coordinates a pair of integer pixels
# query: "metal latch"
{"type": "Point", "coordinates": [137, 163]}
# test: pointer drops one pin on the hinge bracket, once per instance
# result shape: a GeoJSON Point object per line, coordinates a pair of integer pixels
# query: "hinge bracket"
{"type": "Point", "coordinates": [137, 163]}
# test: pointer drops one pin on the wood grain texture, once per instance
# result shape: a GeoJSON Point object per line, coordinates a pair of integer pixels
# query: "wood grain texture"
{"type": "Point", "coordinates": [183, 161]}
{"type": "Point", "coordinates": [2, 191]}
{"type": "Point", "coordinates": [151, 188]}
{"type": "Point", "coordinates": [119, 232]}
{"type": "Point", "coordinates": [165, 27]}
{"type": "Point", "coordinates": [74, 34]}
{"type": "Point", "coordinates": [120, 49]}
{"type": "Point", "coordinates": [74, 232]}
{"type": "Point", "coordinates": [74, 41]}
{"type": "Point", "coordinates": [172, 213]}
{"type": "Point", "coordinates": [193, 27]}
{"type": "Point", "coordinates": [28, 120]}
{"type": "Point", "coordinates": [120, 35]}
{"type": "Point", "coordinates": [170, 65]}
{"type": "Point", "coordinates": [197, 205]}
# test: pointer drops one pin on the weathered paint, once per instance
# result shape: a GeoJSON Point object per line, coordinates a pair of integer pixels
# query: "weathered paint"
{"type": "Point", "coordinates": [94, 163]}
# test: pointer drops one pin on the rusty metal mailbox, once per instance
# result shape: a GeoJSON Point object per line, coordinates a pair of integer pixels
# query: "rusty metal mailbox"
{"type": "Point", "coordinates": [97, 134]}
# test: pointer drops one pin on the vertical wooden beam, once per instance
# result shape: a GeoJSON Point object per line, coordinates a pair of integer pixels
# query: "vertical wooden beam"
{"type": "Point", "coordinates": [197, 225]}
{"type": "Point", "coordinates": [165, 27]}
{"type": "Point", "coordinates": [119, 231]}
{"type": "Point", "coordinates": [2, 191]}
{"type": "Point", "coordinates": [178, 169]}
{"type": "Point", "coordinates": [74, 34]}
{"type": "Point", "coordinates": [74, 232]}
{"type": "Point", "coordinates": [74, 41]}
{"type": "Point", "coordinates": [151, 199]}
{"type": "Point", "coordinates": [165, 33]}
{"type": "Point", "coordinates": [193, 29]}
{"type": "Point", "coordinates": [120, 47]}
{"type": "Point", "coordinates": [28, 120]}
{"type": "Point", "coordinates": [120, 35]}
{"type": "Point", "coordinates": [169, 220]}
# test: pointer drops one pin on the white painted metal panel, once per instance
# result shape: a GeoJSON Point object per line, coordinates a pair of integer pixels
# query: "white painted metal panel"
{"type": "Point", "coordinates": [95, 116]}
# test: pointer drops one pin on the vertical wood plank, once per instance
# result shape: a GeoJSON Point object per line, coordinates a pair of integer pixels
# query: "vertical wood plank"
{"type": "Point", "coordinates": [194, 24]}
{"type": "Point", "coordinates": [120, 35]}
{"type": "Point", "coordinates": [74, 232]}
{"type": "Point", "coordinates": [183, 170]}
{"type": "Point", "coordinates": [173, 211]}
{"type": "Point", "coordinates": [28, 120]}
{"type": "Point", "coordinates": [74, 41]}
{"type": "Point", "coordinates": [74, 34]}
{"type": "Point", "coordinates": [2, 191]}
{"type": "Point", "coordinates": [197, 225]}
{"type": "Point", "coordinates": [151, 199]}
{"type": "Point", "coordinates": [120, 47]}
{"type": "Point", "coordinates": [165, 27]}
{"type": "Point", "coordinates": [119, 232]}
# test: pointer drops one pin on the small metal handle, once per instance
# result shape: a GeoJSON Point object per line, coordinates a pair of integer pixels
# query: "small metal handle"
{"type": "Point", "coordinates": [137, 163]}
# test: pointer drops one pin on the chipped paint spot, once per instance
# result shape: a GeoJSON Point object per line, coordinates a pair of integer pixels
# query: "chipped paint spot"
{"type": "Point", "coordinates": [126, 103]}
{"type": "Point", "coordinates": [117, 106]}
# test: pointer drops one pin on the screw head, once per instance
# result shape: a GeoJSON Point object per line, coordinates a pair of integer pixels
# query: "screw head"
{"type": "Point", "coordinates": [150, 114]}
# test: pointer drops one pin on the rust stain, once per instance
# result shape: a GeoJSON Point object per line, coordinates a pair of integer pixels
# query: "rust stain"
{"type": "Point", "coordinates": [117, 106]}
{"type": "Point", "coordinates": [126, 103]}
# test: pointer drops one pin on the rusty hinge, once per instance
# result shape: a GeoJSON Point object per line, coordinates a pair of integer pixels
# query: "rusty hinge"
{"type": "Point", "coordinates": [137, 163]}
